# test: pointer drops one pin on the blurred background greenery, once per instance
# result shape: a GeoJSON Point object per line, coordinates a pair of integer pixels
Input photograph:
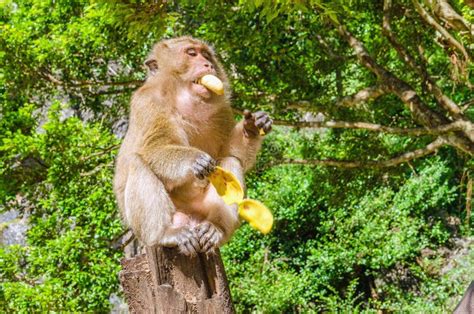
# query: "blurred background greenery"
{"type": "Point", "coordinates": [368, 219]}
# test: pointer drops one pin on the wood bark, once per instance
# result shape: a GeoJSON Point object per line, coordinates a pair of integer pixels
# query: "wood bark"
{"type": "Point", "coordinates": [164, 281]}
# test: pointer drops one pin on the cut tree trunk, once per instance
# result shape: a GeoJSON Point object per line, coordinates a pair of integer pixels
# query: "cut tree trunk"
{"type": "Point", "coordinates": [164, 281]}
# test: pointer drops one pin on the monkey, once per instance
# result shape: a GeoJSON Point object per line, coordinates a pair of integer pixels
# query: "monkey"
{"type": "Point", "coordinates": [178, 132]}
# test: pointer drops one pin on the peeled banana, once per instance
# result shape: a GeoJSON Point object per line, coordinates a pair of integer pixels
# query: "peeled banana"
{"type": "Point", "coordinates": [257, 215]}
{"type": "Point", "coordinates": [212, 83]}
{"type": "Point", "coordinates": [228, 187]}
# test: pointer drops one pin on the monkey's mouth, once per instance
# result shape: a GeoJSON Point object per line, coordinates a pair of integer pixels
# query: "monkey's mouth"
{"type": "Point", "coordinates": [212, 83]}
{"type": "Point", "coordinates": [199, 89]}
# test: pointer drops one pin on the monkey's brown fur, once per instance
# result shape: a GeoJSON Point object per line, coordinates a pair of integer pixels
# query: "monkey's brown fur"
{"type": "Point", "coordinates": [177, 130]}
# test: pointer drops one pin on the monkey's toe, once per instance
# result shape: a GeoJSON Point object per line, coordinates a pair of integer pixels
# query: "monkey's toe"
{"type": "Point", "coordinates": [209, 237]}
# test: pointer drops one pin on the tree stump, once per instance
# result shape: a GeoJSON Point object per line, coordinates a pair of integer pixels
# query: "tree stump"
{"type": "Point", "coordinates": [164, 281]}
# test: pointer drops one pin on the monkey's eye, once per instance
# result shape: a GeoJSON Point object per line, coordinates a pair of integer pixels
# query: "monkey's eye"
{"type": "Point", "coordinates": [206, 55]}
{"type": "Point", "coordinates": [192, 52]}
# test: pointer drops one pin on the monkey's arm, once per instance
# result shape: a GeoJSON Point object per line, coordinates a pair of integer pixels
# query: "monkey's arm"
{"type": "Point", "coordinates": [149, 211]}
{"type": "Point", "coordinates": [245, 142]}
{"type": "Point", "coordinates": [243, 148]}
{"type": "Point", "coordinates": [177, 165]}
{"type": "Point", "coordinates": [171, 159]}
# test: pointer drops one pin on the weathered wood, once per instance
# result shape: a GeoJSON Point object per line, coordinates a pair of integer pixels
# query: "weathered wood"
{"type": "Point", "coordinates": [164, 281]}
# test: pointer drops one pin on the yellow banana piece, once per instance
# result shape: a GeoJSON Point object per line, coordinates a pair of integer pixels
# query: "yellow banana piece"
{"type": "Point", "coordinates": [257, 215]}
{"type": "Point", "coordinates": [212, 83]}
{"type": "Point", "coordinates": [229, 188]}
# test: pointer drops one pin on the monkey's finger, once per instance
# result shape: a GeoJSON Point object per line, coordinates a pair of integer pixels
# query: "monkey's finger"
{"type": "Point", "coordinates": [213, 242]}
{"type": "Point", "coordinates": [209, 245]}
{"type": "Point", "coordinates": [259, 114]}
{"type": "Point", "coordinates": [211, 251]}
{"type": "Point", "coordinates": [195, 244]}
{"type": "Point", "coordinates": [205, 160]}
{"type": "Point", "coordinates": [204, 240]}
{"type": "Point", "coordinates": [268, 126]}
{"type": "Point", "coordinates": [261, 122]}
{"type": "Point", "coordinates": [183, 249]}
{"type": "Point", "coordinates": [247, 114]}
{"type": "Point", "coordinates": [190, 249]}
{"type": "Point", "coordinates": [198, 172]}
{"type": "Point", "coordinates": [203, 228]}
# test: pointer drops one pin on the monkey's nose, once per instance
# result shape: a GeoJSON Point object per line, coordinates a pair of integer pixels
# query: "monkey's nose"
{"type": "Point", "coordinates": [209, 65]}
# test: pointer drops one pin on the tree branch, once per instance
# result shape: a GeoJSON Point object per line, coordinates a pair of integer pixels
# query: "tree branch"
{"type": "Point", "coordinates": [430, 148]}
{"type": "Point", "coordinates": [421, 113]}
{"type": "Point", "coordinates": [449, 38]}
{"type": "Point", "coordinates": [82, 84]}
{"type": "Point", "coordinates": [445, 12]}
{"type": "Point", "coordinates": [448, 104]}
{"type": "Point", "coordinates": [442, 129]}
{"type": "Point", "coordinates": [363, 95]}
{"type": "Point", "coordinates": [353, 100]}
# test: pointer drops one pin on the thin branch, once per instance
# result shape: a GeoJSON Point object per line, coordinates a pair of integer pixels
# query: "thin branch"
{"type": "Point", "coordinates": [445, 11]}
{"type": "Point", "coordinates": [465, 105]}
{"type": "Point", "coordinates": [422, 113]}
{"type": "Point", "coordinates": [442, 129]}
{"type": "Point", "coordinates": [97, 169]}
{"type": "Point", "coordinates": [100, 153]}
{"type": "Point", "coordinates": [328, 49]}
{"type": "Point", "coordinates": [113, 91]}
{"type": "Point", "coordinates": [303, 105]}
{"type": "Point", "coordinates": [363, 95]}
{"type": "Point", "coordinates": [83, 84]}
{"type": "Point", "coordinates": [105, 84]}
{"type": "Point", "coordinates": [120, 242]}
{"type": "Point", "coordinates": [468, 201]}
{"type": "Point", "coordinates": [447, 103]}
{"type": "Point", "coordinates": [431, 21]}
{"type": "Point", "coordinates": [430, 148]}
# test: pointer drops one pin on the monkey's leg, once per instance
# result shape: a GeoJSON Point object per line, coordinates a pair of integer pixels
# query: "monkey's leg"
{"type": "Point", "coordinates": [149, 210]}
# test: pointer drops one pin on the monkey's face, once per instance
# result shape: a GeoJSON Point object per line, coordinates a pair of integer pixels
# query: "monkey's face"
{"type": "Point", "coordinates": [186, 60]}
{"type": "Point", "coordinates": [198, 61]}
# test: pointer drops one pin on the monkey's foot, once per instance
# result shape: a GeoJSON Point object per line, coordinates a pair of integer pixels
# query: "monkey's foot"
{"type": "Point", "coordinates": [209, 236]}
{"type": "Point", "coordinates": [184, 238]}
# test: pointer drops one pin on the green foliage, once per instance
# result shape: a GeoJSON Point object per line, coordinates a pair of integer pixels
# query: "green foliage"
{"type": "Point", "coordinates": [68, 262]}
{"type": "Point", "coordinates": [344, 240]}
{"type": "Point", "coordinates": [329, 238]}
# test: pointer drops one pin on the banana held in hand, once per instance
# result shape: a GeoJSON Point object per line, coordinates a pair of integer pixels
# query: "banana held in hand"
{"type": "Point", "coordinates": [229, 188]}
{"type": "Point", "coordinates": [212, 83]}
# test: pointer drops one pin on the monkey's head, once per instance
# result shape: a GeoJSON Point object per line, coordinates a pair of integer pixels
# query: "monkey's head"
{"type": "Point", "coordinates": [185, 60]}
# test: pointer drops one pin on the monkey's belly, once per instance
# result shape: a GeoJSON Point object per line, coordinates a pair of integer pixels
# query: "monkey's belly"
{"type": "Point", "coordinates": [197, 202]}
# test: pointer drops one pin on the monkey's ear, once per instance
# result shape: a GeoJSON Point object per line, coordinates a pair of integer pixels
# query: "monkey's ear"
{"type": "Point", "coordinates": [152, 65]}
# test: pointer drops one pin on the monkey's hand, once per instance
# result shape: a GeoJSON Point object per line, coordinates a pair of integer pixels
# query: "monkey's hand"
{"type": "Point", "coordinates": [255, 124]}
{"type": "Point", "coordinates": [209, 236]}
{"type": "Point", "coordinates": [203, 166]}
{"type": "Point", "coordinates": [184, 238]}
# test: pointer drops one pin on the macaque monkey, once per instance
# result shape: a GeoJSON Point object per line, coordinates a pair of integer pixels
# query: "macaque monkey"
{"type": "Point", "coordinates": [178, 132]}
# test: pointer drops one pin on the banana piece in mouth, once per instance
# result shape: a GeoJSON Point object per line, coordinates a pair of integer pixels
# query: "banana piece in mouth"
{"type": "Point", "coordinates": [212, 83]}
